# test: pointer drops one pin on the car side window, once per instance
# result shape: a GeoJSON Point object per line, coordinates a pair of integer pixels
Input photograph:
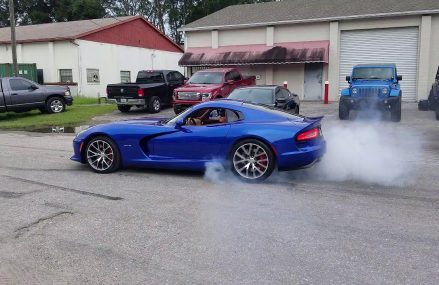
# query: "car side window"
{"type": "Point", "coordinates": [229, 76]}
{"type": "Point", "coordinates": [279, 94]}
{"type": "Point", "coordinates": [178, 77]}
{"type": "Point", "coordinates": [235, 75]}
{"type": "Point", "coordinates": [233, 116]}
{"type": "Point", "coordinates": [207, 116]}
{"type": "Point", "coordinates": [19, 84]}
{"type": "Point", "coordinates": [286, 94]}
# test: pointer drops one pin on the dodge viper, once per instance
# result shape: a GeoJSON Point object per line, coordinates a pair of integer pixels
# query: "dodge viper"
{"type": "Point", "coordinates": [251, 139]}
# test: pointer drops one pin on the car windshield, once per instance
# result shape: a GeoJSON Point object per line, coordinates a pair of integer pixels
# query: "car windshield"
{"type": "Point", "coordinates": [254, 95]}
{"type": "Point", "coordinates": [146, 77]}
{"type": "Point", "coordinates": [371, 73]}
{"type": "Point", "coordinates": [206, 78]}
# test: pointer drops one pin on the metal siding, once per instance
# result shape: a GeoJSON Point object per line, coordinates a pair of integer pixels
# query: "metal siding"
{"type": "Point", "coordinates": [395, 45]}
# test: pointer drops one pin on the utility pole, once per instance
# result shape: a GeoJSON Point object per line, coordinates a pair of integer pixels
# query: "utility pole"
{"type": "Point", "coordinates": [13, 39]}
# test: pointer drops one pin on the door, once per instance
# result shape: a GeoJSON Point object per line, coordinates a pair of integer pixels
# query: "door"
{"type": "Point", "coordinates": [313, 82]}
{"type": "Point", "coordinates": [193, 143]}
{"type": "Point", "coordinates": [395, 45]}
{"type": "Point", "coordinates": [23, 95]}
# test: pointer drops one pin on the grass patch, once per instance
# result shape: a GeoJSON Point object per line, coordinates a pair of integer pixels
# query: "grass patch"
{"type": "Point", "coordinates": [85, 100]}
{"type": "Point", "coordinates": [74, 115]}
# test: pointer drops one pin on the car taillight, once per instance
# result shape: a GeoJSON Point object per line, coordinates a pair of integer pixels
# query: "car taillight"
{"type": "Point", "coordinates": [308, 135]}
{"type": "Point", "coordinates": [140, 92]}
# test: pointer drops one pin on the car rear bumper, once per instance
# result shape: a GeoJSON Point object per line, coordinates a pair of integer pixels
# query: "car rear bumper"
{"type": "Point", "coordinates": [131, 102]}
{"type": "Point", "coordinates": [360, 103]}
{"type": "Point", "coordinates": [304, 157]}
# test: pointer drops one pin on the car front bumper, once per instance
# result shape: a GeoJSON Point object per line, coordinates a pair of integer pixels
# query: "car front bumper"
{"type": "Point", "coordinates": [68, 100]}
{"type": "Point", "coordinates": [131, 102]}
{"type": "Point", "coordinates": [361, 103]}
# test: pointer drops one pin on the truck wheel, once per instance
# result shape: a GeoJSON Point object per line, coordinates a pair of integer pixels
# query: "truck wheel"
{"type": "Point", "coordinates": [343, 110]}
{"type": "Point", "coordinates": [154, 105]}
{"type": "Point", "coordinates": [395, 112]}
{"type": "Point", "coordinates": [55, 105]}
{"type": "Point", "coordinates": [124, 108]}
{"type": "Point", "coordinates": [177, 110]}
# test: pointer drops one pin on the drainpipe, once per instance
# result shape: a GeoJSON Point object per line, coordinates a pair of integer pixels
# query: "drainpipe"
{"type": "Point", "coordinates": [79, 67]}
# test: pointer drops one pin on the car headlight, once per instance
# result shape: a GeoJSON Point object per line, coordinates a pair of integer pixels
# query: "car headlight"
{"type": "Point", "coordinates": [354, 90]}
{"type": "Point", "coordinates": [67, 93]}
{"type": "Point", "coordinates": [205, 96]}
{"type": "Point", "coordinates": [385, 91]}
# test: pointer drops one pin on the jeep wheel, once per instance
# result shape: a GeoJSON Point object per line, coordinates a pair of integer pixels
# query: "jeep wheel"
{"type": "Point", "coordinates": [124, 108]}
{"type": "Point", "coordinates": [395, 112]}
{"type": "Point", "coordinates": [343, 110]}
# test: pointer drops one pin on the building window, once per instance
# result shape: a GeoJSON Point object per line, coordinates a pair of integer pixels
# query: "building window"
{"type": "Point", "coordinates": [93, 75]}
{"type": "Point", "coordinates": [65, 75]}
{"type": "Point", "coordinates": [125, 76]}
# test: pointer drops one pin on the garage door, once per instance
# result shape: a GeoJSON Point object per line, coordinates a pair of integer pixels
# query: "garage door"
{"type": "Point", "coordinates": [396, 45]}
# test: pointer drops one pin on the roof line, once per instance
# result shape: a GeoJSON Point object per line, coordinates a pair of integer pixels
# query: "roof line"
{"type": "Point", "coordinates": [328, 19]}
{"type": "Point", "coordinates": [127, 21]}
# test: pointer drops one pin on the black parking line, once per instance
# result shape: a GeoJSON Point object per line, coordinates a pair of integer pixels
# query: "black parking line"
{"type": "Point", "coordinates": [63, 188]}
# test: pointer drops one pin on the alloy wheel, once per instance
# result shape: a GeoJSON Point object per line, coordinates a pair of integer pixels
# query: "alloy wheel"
{"type": "Point", "coordinates": [57, 106]}
{"type": "Point", "coordinates": [250, 161]}
{"type": "Point", "coordinates": [100, 155]}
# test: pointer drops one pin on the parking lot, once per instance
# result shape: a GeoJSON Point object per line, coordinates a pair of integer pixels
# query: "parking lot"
{"type": "Point", "coordinates": [367, 214]}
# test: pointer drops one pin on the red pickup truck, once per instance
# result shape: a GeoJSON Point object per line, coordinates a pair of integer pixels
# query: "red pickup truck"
{"type": "Point", "coordinates": [208, 85]}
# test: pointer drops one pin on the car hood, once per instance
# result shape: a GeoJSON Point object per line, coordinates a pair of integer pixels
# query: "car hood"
{"type": "Point", "coordinates": [371, 83]}
{"type": "Point", "coordinates": [199, 87]}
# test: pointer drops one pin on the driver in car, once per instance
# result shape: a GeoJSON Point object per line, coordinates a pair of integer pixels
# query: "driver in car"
{"type": "Point", "coordinates": [208, 117]}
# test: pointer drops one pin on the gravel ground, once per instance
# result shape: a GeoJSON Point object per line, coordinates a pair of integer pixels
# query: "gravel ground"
{"type": "Point", "coordinates": [368, 214]}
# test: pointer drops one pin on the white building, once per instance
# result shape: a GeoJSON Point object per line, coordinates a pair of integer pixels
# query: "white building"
{"type": "Point", "coordinates": [307, 42]}
{"type": "Point", "coordinates": [87, 55]}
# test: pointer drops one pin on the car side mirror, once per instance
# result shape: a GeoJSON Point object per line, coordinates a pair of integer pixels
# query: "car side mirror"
{"type": "Point", "coordinates": [230, 82]}
{"type": "Point", "coordinates": [399, 77]}
{"type": "Point", "coordinates": [179, 123]}
{"type": "Point", "coordinates": [33, 87]}
{"type": "Point", "coordinates": [348, 78]}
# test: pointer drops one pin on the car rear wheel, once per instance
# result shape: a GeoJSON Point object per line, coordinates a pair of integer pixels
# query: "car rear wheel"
{"type": "Point", "coordinates": [55, 105]}
{"type": "Point", "coordinates": [124, 108]}
{"type": "Point", "coordinates": [102, 155]}
{"type": "Point", "coordinates": [296, 110]}
{"type": "Point", "coordinates": [395, 112]}
{"type": "Point", "coordinates": [343, 110]}
{"type": "Point", "coordinates": [252, 160]}
{"type": "Point", "coordinates": [154, 105]}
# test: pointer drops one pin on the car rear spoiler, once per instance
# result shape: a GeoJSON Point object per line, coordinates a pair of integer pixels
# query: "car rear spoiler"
{"type": "Point", "coordinates": [313, 122]}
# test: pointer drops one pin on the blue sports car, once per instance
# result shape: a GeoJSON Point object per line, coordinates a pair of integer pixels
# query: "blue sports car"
{"type": "Point", "coordinates": [250, 139]}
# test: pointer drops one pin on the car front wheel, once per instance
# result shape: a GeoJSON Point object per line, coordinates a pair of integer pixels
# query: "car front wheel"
{"type": "Point", "coordinates": [252, 160]}
{"type": "Point", "coordinates": [343, 110]}
{"type": "Point", "coordinates": [55, 105]}
{"type": "Point", "coordinates": [154, 105]}
{"type": "Point", "coordinates": [102, 155]}
{"type": "Point", "coordinates": [395, 112]}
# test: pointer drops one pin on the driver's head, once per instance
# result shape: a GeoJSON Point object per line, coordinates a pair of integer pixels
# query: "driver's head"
{"type": "Point", "coordinates": [222, 116]}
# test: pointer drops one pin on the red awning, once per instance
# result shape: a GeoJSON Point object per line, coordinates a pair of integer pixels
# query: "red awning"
{"type": "Point", "coordinates": [298, 52]}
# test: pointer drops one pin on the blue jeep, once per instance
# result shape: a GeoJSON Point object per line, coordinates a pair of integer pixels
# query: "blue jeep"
{"type": "Point", "coordinates": [372, 86]}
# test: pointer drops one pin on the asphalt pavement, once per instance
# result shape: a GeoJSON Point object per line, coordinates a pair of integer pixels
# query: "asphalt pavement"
{"type": "Point", "coordinates": [367, 214]}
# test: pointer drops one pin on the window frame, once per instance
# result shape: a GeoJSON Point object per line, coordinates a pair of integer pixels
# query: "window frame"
{"type": "Point", "coordinates": [121, 76]}
{"type": "Point", "coordinates": [88, 70]}
{"type": "Point", "coordinates": [60, 71]}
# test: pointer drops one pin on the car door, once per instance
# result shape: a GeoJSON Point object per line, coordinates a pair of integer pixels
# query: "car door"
{"type": "Point", "coordinates": [22, 94]}
{"type": "Point", "coordinates": [191, 144]}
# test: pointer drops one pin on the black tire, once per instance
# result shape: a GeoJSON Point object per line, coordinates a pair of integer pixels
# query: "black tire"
{"type": "Point", "coordinates": [124, 108]}
{"type": "Point", "coordinates": [92, 153]}
{"type": "Point", "coordinates": [395, 112]}
{"type": "Point", "coordinates": [154, 105]}
{"type": "Point", "coordinates": [177, 110]}
{"type": "Point", "coordinates": [297, 110]}
{"type": "Point", "coordinates": [55, 105]}
{"type": "Point", "coordinates": [343, 110]}
{"type": "Point", "coordinates": [239, 159]}
{"type": "Point", "coordinates": [423, 105]}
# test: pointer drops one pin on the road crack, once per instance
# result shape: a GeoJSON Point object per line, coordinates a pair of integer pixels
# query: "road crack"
{"type": "Point", "coordinates": [24, 229]}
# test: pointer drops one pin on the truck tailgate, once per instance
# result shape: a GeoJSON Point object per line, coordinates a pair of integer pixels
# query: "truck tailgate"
{"type": "Point", "coordinates": [122, 91]}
